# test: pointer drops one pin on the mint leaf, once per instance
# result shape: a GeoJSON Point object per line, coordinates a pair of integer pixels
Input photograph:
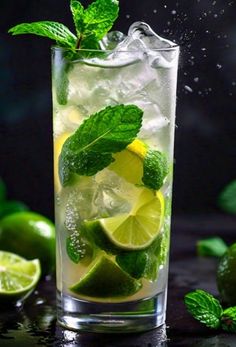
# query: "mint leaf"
{"type": "Point", "coordinates": [98, 19]}
{"type": "Point", "coordinates": [227, 198]}
{"type": "Point", "coordinates": [73, 250]}
{"type": "Point", "coordinates": [155, 169]}
{"type": "Point", "coordinates": [211, 247]}
{"type": "Point", "coordinates": [90, 148]}
{"type": "Point", "coordinates": [204, 307]}
{"type": "Point", "coordinates": [77, 10]}
{"type": "Point", "coordinates": [53, 30]}
{"type": "Point", "coordinates": [228, 320]}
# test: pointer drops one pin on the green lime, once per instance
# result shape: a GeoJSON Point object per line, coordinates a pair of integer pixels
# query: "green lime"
{"type": "Point", "coordinates": [31, 236]}
{"type": "Point", "coordinates": [18, 277]}
{"type": "Point", "coordinates": [93, 232]}
{"type": "Point", "coordinates": [105, 279]}
{"type": "Point", "coordinates": [137, 229]}
{"type": "Point", "coordinates": [226, 276]}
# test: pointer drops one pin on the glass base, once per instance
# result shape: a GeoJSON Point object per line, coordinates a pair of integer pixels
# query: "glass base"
{"type": "Point", "coordinates": [127, 317]}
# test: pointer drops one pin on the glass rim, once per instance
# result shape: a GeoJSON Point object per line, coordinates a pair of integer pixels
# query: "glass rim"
{"type": "Point", "coordinates": [65, 49]}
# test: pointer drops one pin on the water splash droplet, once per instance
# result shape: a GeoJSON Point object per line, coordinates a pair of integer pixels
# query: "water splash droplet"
{"type": "Point", "coordinates": [219, 66]}
{"type": "Point", "coordinates": [189, 89]}
{"type": "Point", "coordinates": [196, 79]}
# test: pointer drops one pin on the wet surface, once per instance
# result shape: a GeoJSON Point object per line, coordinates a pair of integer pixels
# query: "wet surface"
{"type": "Point", "coordinates": [35, 323]}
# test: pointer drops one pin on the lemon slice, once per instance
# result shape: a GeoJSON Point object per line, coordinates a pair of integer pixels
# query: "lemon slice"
{"type": "Point", "coordinates": [129, 162]}
{"type": "Point", "coordinates": [17, 276]}
{"type": "Point", "coordinates": [58, 143]}
{"type": "Point", "coordinates": [137, 229]}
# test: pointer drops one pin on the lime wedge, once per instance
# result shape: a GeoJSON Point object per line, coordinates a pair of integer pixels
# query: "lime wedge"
{"type": "Point", "coordinates": [17, 276]}
{"type": "Point", "coordinates": [105, 279]}
{"type": "Point", "coordinates": [137, 229]}
{"type": "Point", "coordinates": [129, 162]}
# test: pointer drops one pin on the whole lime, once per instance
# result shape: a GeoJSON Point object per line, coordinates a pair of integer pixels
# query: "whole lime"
{"type": "Point", "coordinates": [31, 236]}
{"type": "Point", "coordinates": [226, 276]}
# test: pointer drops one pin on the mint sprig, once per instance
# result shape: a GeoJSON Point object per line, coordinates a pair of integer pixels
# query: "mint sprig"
{"type": "Point", "coordinates": [53, 30]}
{"type": "Point", "coordinates": [90, 148]}
{"type": "Point", "coordinates": [91, 24]}
{"type": "Point", "coordinates": [211, 247]}
{"type": "Point", "coordinates": [228, 320]}
{"type": "Point", "coordinates": [204, 307]}
{"type": "Point", "coordinates": [208, 310]}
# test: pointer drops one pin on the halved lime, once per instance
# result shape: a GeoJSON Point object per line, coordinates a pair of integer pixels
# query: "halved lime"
{"type": "Point", "coordinates": [17, 276]}
{"type": "Point", "coordinates": [105, 279]}
{"type": "Point", "coordinates": [137, 229]}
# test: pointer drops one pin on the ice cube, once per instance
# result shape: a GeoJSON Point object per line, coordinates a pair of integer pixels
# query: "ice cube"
{"type": "Point", "coordinates": [158, 49]}
{"type": "Point", "coordinates": [111, 40]}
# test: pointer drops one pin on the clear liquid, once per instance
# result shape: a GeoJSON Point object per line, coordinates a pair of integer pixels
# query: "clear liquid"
{"type": "Point", "coordinates": [92, 88]}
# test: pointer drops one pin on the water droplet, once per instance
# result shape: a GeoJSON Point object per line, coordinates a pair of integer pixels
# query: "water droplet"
{"type": "Point", "coordinates": [165, 6]}
{"type": "Point", "coordinates": [214, 3]}
{"type": "Point", "coordinates": [215, 15]}
{"type": "Point", "coordinates": [128, 16]}
{"type": "Point", "coordinates": [39, 301]}
{"type": "Point", "coordinates": [219, 66]}
{"type": "Point", "coordinates": [189, 89]}
{"type": "Point", "coordinates": [222, 11]}
{"type": "Point", "coordinates": [173, 12]}
{"type": "Point", "coordinates": [155, 10]}
{"type": "Point", "coordinates": [203, 49]}
{"type": "Point", "coordinates": [234, 83]}
{"type": "Point", "coordinates": [196, 79]}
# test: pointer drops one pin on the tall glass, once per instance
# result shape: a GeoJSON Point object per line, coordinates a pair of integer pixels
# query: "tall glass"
{"type": "Point", "coordinates": [113, 218]}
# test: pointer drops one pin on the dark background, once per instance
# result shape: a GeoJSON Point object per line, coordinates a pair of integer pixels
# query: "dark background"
{"type": "Point", "coordinates": [205, 148]}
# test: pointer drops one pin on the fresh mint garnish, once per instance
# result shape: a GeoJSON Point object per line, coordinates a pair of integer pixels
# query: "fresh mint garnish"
{"type": "Point", "coordinates": [90, 148]}
{"type": "Point", "coordinates": [92, 24]}
{"type": "Point", "coordinates": [211, 247]}
{"type": "Point", "coordinates": [204, 307]}
{"type": "Point", "coordinates": [227, 198]}
{"type": "Point", "coordinates": [53, 30]}
{"type": "Point", "coordinates": [155, 169]}
{"type": "Point", "coordinates": [228, 320]}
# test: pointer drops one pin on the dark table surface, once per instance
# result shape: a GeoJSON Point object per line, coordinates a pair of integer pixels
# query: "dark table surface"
{"type": "Point", "coordinates": [35, 324]}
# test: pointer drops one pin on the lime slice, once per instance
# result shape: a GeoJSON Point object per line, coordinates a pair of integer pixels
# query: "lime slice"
{"type": "Point", "coordinates": [17, 276]}
{"type": "Point", "coordinates": [105, 279]}
{"type": "Point", "coordinates": [137, 229]}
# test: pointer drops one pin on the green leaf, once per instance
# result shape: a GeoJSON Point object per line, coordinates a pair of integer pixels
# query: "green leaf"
{"type": "Point", "coordinates": [228, 320]}
{"type": "Point", "coordinates": [93, 23]}
{"type": "Point", "coordinates": [73, 251]}
{"type": "Point", "coordinates": [211, 247]}
{"type": "Point", "coordinates": [53, 30]}
{"type": "Point", "coordinates": [204, 307]}
{"type": "Point", "coordinates": [155, 169]}
{"type": "Point", "coordinates": [227, 198]}
{"type": "Point", "coordinates": [10, 207]}
{"type": "Point", "coordinates": [90, 148]}
{"type": "Point", "coordinates": [134, 263]}
{"type": "Point", "coordinates": [3, 191]}
{"type": "Point", "coordinates": [77, 10]}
